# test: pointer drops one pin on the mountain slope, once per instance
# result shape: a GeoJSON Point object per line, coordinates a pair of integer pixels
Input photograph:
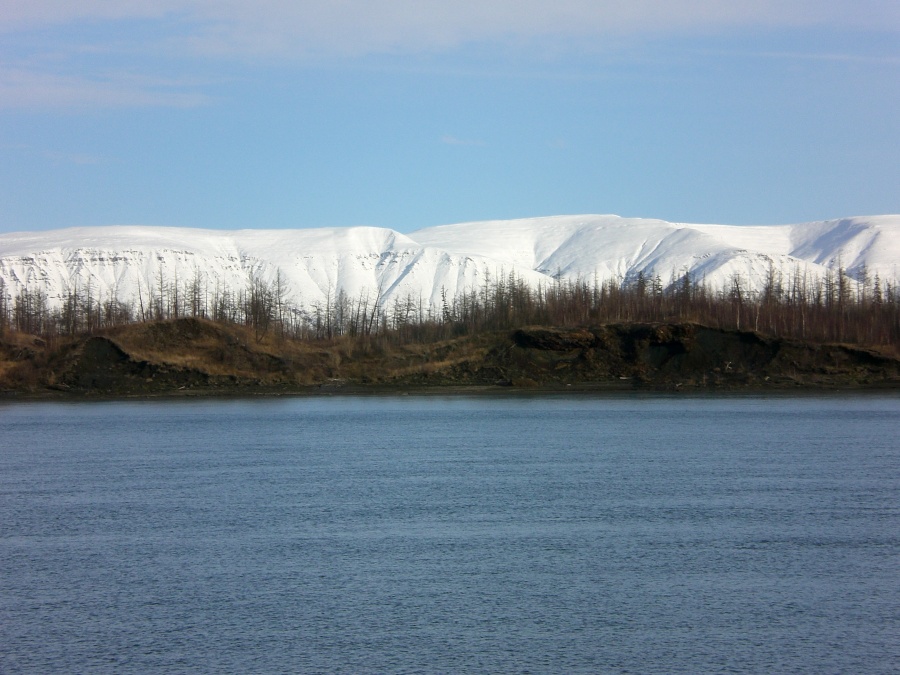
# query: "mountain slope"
{"type": "Point", "coordinates": [133, 263]}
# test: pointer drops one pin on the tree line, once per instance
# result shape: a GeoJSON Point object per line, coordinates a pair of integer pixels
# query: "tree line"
{"type": "Point", "coordinates": [863, 309]}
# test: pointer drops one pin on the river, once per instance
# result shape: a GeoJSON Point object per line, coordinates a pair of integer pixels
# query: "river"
{"type": "Point", "coordinates": [631, 534]}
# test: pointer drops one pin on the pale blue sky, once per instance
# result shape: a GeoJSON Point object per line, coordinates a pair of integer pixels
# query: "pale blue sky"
{"type": "Point", "coordinates": [409, 114]}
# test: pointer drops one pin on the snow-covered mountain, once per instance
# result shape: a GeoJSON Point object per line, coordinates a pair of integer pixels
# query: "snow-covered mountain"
{"type": "Point", "coordinates": [316, 263]}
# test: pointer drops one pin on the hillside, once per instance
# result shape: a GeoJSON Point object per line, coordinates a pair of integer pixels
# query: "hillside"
{"type": "Point", "coordinates": [200, 357]}
{"type": "Point", "coordinates": [146, 266]}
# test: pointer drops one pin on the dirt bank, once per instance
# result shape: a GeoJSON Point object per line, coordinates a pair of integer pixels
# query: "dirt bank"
{"type": "Point", "coordinates": [192, 356]}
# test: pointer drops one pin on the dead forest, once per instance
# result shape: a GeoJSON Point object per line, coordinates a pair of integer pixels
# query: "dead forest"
{"type": "Point", "coordinates": [861, 310]}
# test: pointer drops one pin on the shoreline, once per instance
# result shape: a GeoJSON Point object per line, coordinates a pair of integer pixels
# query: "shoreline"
{"type": "Point", "coordinates": [191, 358]}
{"type": "Point", "coordinates": [586, 389]}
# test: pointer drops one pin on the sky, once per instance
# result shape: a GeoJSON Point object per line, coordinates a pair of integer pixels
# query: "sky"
{"type": "Point", "coordinates": [411, 113]}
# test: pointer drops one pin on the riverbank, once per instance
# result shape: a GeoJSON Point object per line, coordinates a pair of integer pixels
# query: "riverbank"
{"type": "Point", "coordinates": [194, 357]}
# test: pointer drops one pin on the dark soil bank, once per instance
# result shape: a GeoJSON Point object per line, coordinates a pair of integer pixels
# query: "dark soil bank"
{"type": "Point", "coordinates": [191, 356]}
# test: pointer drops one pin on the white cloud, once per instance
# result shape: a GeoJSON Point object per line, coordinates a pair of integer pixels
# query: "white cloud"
{"type": "Point", "coordinates": [17, 15]}
{"type": "Point", "coordinates": [55, 156]}
{"type": "Point", "coordinates": [837, 57]}
{"type": "Point", "coordinates": [447, 139]}
{"type": "Point", "coordinates": [56, 34]}
{"type": "Point", "coordinates": [355, 27]}
{"type": "Point", "coordinates": [23, 88]}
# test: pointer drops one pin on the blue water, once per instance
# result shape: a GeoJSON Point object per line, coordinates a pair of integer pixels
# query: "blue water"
{"type": "Point", "coordinates": [418, 534]}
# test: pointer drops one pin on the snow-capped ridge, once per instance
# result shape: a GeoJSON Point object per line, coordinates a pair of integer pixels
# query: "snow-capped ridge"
{"type": "Point", "coordinates": [442, 261]}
